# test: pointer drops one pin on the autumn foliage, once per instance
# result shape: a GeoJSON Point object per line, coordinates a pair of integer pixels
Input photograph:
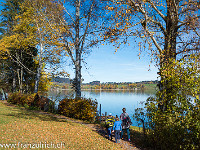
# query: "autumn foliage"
{"type": "Point", "coordinates": [172, 117]}
{"type": "Point", "coordinates": [29, 100]}
{"type": "Point", "coordinates": [79, 108]}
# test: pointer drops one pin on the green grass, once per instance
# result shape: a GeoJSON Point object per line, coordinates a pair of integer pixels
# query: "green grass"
{"type": "Point", "coordinates": [29, 127]}
{"type": "Point", "coordinates": [150, 86]}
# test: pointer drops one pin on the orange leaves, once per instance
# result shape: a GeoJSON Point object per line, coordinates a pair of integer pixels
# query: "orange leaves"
{"type": "Point", "coordinates": [110, 8]}
{"type": "Point", "coordinates": [78, 108]}
{"type": "Point", "coordinates": [32, 127]}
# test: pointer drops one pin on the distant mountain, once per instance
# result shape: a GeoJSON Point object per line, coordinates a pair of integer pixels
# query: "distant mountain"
{"type": "Point", "coordinates": [61, 80]}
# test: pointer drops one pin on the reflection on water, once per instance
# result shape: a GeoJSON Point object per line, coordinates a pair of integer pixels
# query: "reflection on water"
{"type": "Point", "coordinates": [112, 101]}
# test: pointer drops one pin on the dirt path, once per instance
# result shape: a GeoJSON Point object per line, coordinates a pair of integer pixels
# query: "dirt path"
{"type": "Point", "coordinates": [95, 127]}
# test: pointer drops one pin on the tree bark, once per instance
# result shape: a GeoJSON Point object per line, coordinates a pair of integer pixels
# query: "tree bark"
{"type": "Point", "coordinates": [21, 85]}
{"type": "Point", "coordinates": [169, 52]}
{"type": "Point", "coordinates": [14, 82]}
{"type": "Point", "coordinates": [37, 80]}
{"type": "Point", "coordinates": [78, 52]}
{"type": "Point", "coordinates": [39, 69]}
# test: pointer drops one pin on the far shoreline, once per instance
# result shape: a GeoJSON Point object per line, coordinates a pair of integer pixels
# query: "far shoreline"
{"type": "Point", "coordinates": [105, 89]}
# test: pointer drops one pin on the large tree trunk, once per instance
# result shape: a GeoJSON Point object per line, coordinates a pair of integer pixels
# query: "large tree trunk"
{"type": "Point", "coordinates": [20, 72]}
{"type": "Point", "coordinates": [78, 52]}
{"type": "Point", "coordinates": [169, 53]}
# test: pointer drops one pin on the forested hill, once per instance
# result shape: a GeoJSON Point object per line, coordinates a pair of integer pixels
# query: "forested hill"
{"type": "Point", "coordinates": [64, 83]}
{"type": "Point", "coordinates": [61, 80]}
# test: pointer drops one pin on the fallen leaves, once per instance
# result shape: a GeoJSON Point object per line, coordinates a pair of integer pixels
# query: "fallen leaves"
{"type": "Point", "coordinates": [41, 128]}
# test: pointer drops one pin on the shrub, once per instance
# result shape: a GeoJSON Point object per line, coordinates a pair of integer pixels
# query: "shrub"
{"type": "Point", "coordinates": [44, 103]}
{"type": "Point", "coordinates": [33, 101]}
{"type": "Point", "coordinates": [21, 99]}
{"type": "Point", "coordinates": [16, 98]}
{"type": "Point", "coordinates": [173, 115]}
{"type": "Point", "coordinates": [79, 108]}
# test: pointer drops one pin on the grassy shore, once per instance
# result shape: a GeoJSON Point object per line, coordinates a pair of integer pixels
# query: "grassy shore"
{"type": "Point", "coordinates": [22, 127]}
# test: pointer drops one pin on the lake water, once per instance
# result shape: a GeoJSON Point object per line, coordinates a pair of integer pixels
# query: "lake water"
{"type": "Point", "coordinates": [112, 101]}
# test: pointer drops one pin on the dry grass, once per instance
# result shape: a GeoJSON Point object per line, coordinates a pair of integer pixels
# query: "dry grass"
{"type": "Point", "coordinates": [31, 127]}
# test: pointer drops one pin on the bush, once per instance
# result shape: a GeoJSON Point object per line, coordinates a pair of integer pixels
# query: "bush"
{"type": "Point", "coordinates": [79, 108]}
{"type": "Point", "coordinates": [18, 98]}
{"type": "Point", "coordinates": [173, 115]}
{"type": "Point", "coordinates": [30, 101]}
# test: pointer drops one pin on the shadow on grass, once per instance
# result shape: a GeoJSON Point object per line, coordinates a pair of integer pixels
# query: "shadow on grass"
{"type": "Point", "coordinates": [137, 137]}
{"type": "Point", "coordinates": [34, 114]}
{"type": "Point", "coordinates": [22, 112]}
{"type": "Point", "coordinates": [139, 140]}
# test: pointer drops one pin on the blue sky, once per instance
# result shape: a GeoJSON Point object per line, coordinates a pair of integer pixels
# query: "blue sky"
{"type": "Point", "coordinates": [123, 66]}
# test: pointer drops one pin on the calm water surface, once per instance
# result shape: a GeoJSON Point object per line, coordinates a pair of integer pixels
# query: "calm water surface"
{"type": "Point", "coordinates": [112, 101]}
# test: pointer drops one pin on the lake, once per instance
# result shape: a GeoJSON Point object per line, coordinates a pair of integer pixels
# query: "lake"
{"type": "Point", "coordinates": [112, 101]}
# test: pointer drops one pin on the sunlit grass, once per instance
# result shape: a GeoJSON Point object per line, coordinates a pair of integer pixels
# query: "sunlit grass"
{"type": "Point", "coordinates": [28, 127]}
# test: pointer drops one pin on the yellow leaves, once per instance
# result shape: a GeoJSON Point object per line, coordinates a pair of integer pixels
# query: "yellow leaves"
{"type": "Point", "coordinates": [44, 83]}
{"type": "Point", "coordinates": [117, 25]}
{"type": "Point", "coordinates": [14, 41]}
{"type": "Point", "coordinates": [71, 44]}
{"type": "Point", "coordinates": [110, 8]}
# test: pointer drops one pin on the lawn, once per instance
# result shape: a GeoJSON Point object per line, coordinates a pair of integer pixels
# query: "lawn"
{"type": "Point", "coordinates": [27, 128]}
{"type": "Point", "coordinates": [150, 86]}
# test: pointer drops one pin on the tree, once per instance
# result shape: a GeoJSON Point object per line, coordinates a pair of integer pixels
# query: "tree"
{"type": "Point", "coordinates": [169, 28]}
{"type": "Point", "coordinates": [44, 17]}
{"type": "Point", "coordinates": [34, 26]}
{"type": "Point", "coordinates": [82, 24]}
{"type": "Point", "coordinates": [12, 69]}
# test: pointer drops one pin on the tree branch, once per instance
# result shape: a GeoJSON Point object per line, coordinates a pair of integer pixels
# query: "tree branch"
{"type": "Point", "coordinates": [67, 11]}
{"type": "Point", "coordinates": [184, 23]}
{"type": "Point", "coordinates": [20, 64]}
{"type": "Point", "coordinates": [87, 26]}
{"type": "Point", "coordinates": [69, 52]}
{"type": "Point", "coordinates": [156, 9]}
{"type": "Point", "coordinates": [154, 41]}
{"type": "Point", "coordinates": [160, 25]}
{"type": "Point", "coordinates": [147, 18]}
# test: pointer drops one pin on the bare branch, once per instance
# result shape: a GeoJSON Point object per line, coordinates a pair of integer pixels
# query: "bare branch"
{"type": "Point", "coordinates": [184, 23]}
{"type": "Point", "coordinates": [87, 26]}
{"type": "Point", "coordinates": [156, 9]}
{"type": "Point", "coordinates": [147, 18]}
{"type": "Point", "coordinates": [20, 63]}
{"type": "Point", "coordinates": [66, 11]}
{"type": "Point", "coordinates": [154, 41]}
{"type": "Point", "coordinates": [69, 52]}
{"type": "Point", "coordinates": [160, 25]}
